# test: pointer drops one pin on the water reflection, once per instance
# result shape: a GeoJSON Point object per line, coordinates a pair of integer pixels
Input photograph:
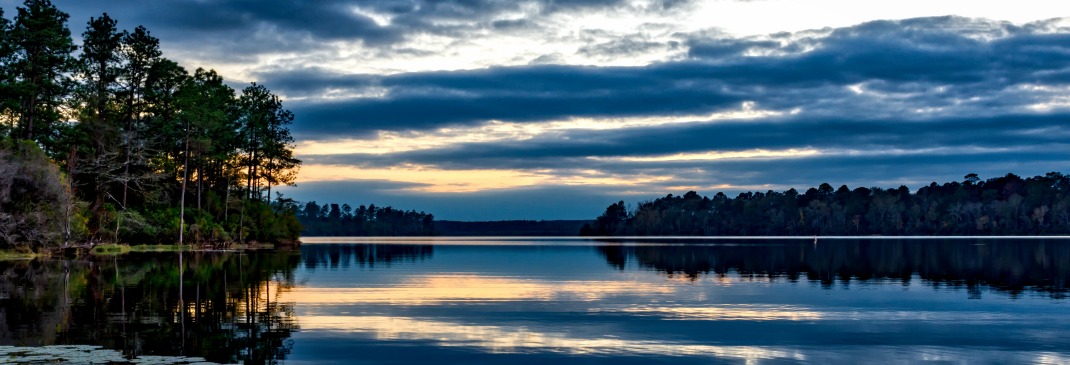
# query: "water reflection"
{"type": "Point", "coordinates": [219, 306]}
{"type": "Point", "coordinates": [520, 339]}
{"type": "Point", "coordinates": [461, 288]}
{"type": "Point", "coordinates": [775, 302]}
{"type": "Point", "coordinates": [1011, 266]}
{"type": "Point", "coordinates": [362, 255]}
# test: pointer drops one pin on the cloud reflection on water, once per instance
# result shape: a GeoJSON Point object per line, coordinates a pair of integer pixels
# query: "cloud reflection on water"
{"type": "Point", "coordinates": [771, 312]}
{"type": "Point", "coordinates": [519, 339]}
{"type": "Point", "coordinates": [439, 289]}
{"type": "Point", "coordinates": [667, 303]}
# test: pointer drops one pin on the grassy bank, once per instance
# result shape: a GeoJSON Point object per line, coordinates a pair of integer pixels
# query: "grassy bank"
{"type": "Point", "coordinates": [119, 249]}
{"type": "Point", "coordinates": [17, 255]}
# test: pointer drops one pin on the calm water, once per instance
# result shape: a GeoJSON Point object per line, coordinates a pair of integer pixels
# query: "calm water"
{"type": "Point", "coordinates": [561, 301]}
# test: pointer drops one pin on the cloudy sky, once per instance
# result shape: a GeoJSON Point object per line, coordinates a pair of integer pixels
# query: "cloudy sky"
{"type": "Point", "coordinates": [553, 109]}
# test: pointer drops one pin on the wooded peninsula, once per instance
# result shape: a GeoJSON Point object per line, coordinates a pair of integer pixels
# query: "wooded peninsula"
{"type": "Point", "coordinates": [1007, 205]}
{"type": "Point", "coordinates": [110, 141]}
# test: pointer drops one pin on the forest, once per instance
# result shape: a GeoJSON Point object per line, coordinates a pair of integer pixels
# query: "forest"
{"type": "Point", "coordinates": [1006, 205]}
{"type": "Point", "coordinates": [342, 220]}
{"type": "Point", "coordinates": [110, 141]}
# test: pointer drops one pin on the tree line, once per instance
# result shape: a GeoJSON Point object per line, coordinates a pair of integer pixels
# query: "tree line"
{"type": "Point", "coordinates": [147, 151]}
{"type": "Point", "coordinates": [1006, 205]}
{"type": "Point", "coordinates": [342, 220]}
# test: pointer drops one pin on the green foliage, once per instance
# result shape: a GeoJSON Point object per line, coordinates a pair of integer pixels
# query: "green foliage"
{"type": "Point", "coordinates": [263, 224]}
{"type": "Point", "coordinates": [165, 221]}
{"type": "Point", "coordinates": [135, 227]}
{"type": "Point", "coordinates": [1008, 205]}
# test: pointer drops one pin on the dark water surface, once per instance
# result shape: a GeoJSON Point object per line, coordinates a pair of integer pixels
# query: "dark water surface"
{"type": "Point", "coordinates": [559, 301]}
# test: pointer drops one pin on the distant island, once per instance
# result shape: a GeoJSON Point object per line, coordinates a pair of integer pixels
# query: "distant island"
{"type": "Point", "coordinates": [1006, 205]}
{"type": "Point", "coordinates": [333, 219]}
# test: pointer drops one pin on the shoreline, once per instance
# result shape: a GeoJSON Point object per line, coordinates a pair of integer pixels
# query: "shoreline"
{"type": "Point", "coordinates": [112, 249]}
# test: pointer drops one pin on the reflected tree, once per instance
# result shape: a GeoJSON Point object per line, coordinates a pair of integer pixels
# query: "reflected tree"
{"type": "Point", "coordinates": [1010, 266]}
{"type": "Point", "coordinates": [223, 307]}
{"type": "Point", "coordinates": [334, 256]}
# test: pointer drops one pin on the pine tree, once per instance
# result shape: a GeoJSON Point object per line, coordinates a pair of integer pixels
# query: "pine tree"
{"type": "Point", "coordinates": [42, 66]}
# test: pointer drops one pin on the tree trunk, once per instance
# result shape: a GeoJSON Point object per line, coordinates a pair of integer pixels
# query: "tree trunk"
{"type": "Point", "coordinates": [29, 107]}
{"type": "Point", "coordinates": [267, 178]}
{"type": "Point", "coordinates": [131, 119]}
{"type": "Point", "coordinates": [98, 211]}
{"type": "Point", "coordinates": [182, 201]}
{"type": "Point", "coordinates": [126, 164]}
{"type": "Point", "coordinates": [241, 221]}
{"type": "Point", "coordinates": [68, 209]}
{"type": "Point", "coordinates": [255, 187]}
{"type": "Point", "coordinates": [200, 180]}
{"type": "Point", "coordinates": [226, 198]}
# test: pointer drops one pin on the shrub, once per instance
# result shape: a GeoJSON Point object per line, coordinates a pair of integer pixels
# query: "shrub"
{"type": "Point", "coordinates": [37, 209]}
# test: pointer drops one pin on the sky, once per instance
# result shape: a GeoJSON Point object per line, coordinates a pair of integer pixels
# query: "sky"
{"type": "Point", "coordinates": [554, 109]}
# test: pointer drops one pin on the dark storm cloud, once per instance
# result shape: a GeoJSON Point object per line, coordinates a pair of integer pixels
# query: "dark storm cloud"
{"type": "Point", "coordinates": [727, 47]}
{"type": "Point", "coordinates": [884, 170]}
{"type": "Point", "coordinates": [313, 81]}
{"type": "Point", "coordinates": [531, 93]}
{"type": "Point", "coordinates": [228, 30]}
{"type": "Point", "coordinates": [625, 47]}
{"type": "Point", "coordinates": [899, 67]}
{"type": "Point", "coordinates": [510, 24]}
{"type": "Point", "coordinates": [1033, 133]}
{"type": "Point", "coordinates": [535, 93]}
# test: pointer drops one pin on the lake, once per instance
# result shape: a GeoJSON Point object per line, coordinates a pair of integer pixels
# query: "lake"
{"type": "Point", "coordinates": [551, 300]}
